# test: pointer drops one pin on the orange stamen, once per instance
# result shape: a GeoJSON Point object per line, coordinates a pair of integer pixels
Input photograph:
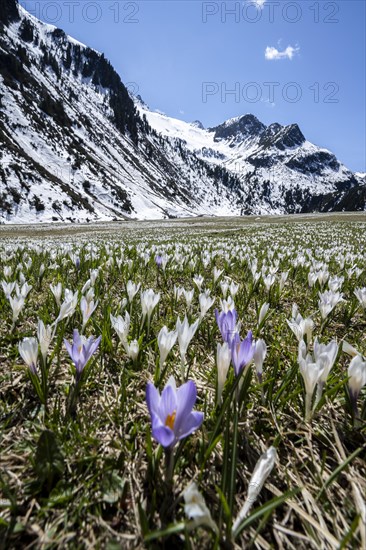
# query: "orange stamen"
{"type": "Point", "coordinates": [170, 419]}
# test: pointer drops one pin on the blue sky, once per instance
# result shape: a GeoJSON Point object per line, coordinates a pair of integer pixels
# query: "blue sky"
{"type": "Point", "coordinates": [184, 58]}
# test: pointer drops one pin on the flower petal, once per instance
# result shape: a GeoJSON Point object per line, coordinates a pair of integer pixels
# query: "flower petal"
{"type": "Point", "coordinates": [168, 403]}
{"type": "Point", "coordinates": [163, 435]}
{"type": "Point", "coordinates": [152, 398]}
{"type": "Point", "coordinates": [190, 423]}
{"type": "Point", "coordinates": [186, 398]}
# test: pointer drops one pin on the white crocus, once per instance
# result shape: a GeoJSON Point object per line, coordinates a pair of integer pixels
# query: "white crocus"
{"type": "Point", "coordinates": [57, 293]}
{"type": "Point", "coordinates": [188, 296]}
{"type": "Point", "coordinates": [224, 287]}
{"type": "Point", "coordinates": [68, 306]}
{"type": "Point", "coordinates": [86, 286]}
{"type": "Point", "coordinates": [198, 281]}
{"type": "Point", "coordinates": [121, 326]}
{"type": "Point", "coordinates": [196, 509]}
{"type": "Point", "coordinates": [133, 349]}
{"type": "Point", "coordinates": [311, 373]}
{"type": "Point", "coordinates": [132, 289]}
{"type": "Point", "coordinates": [16, 304]}
{"type": "Point", "coordinates": [227, 305]}
{"type": "Point", "coordinates": [185, 335]}
{"type": "Point", "coordinates": [350, 350]}
{"type": "Point", "coordinates": [8, 270]}
{"type": "Point", "coordinates": [360, 294]}
{"type": "Point", "coordinates": [28, 349]}
{"type": "Point", "coordinates": [324, 355]}
{"type": "Point", "coordinates": [268, 281]}
{"type": "Point", "coordinates": [8, 288]}
{"type": "Point", "coordinates": [25, 289]}
{"type": "Point", "coordinates": [149, 301]}
{"type": "Point", "coordinates": [217, 274]}
{"type": "Point", "coordinates": [262, 315]}
{"type": "Point", "coordinates": [87, 309]}
{"type": "Point", "coordinates": [166, 341]}
{"type": "Point", "coordinates": [44, 334]}
{"type": "Point", "coordinates": [234, 287]}
{"type": "Point", "coordinates": [356, 380]}
{"type": "Point", "coordinates": [206, 301]}
{"type": "Point", "coordinates": [261, 472]}
{"type": "Point", "coordinates": [259, 356]}
{"type": "Point", "coordinates": [328, 301]}
{"type": "Point", "coordinates": [223, 359]}
{"type": "Point", "coordinates": [300, 326]}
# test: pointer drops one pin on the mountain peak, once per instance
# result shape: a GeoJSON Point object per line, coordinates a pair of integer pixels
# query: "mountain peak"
{"type": "Point", "coordinates": [197, 124]}
{"type": "Point", "coordinates": [289, 136]}
{"type": "Point", "coordinates": [239, 128]}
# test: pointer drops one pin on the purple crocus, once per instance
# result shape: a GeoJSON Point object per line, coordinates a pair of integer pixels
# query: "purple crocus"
{"type": "Point", "coordinates": [159, 260]}
{"type": "Point", "coordinates": [171, 412]}
{"type": "Point", "coordinates": [81, 350]}
{"type": "Point", "coordinates": [226, 322]}
{"type": "Point", "coordinates": [242, 352]}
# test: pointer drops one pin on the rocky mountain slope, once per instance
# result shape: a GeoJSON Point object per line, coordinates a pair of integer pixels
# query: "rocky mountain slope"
{"type": "Point", "coordinates": [76, 147]}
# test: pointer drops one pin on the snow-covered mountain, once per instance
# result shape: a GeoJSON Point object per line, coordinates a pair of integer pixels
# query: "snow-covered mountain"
{"type": "Point", "coordinates": [76, 147]}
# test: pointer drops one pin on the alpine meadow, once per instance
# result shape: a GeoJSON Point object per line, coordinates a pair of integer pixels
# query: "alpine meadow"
{"type": "Point", "coordinates": [182, 303]}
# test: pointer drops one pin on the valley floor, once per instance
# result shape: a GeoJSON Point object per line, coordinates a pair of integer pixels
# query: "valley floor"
{"type": "Point", "coordinates": [190, 226]}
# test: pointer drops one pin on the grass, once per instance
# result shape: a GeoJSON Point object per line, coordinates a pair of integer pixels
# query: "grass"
{"type": "Point", "coordinates": [96, 479]}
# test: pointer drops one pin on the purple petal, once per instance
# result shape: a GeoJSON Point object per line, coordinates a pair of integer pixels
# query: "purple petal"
{"type": "Point", "coordinates": [152, 398]}
{"type": "Point", "coordinates": [68, 347]}
{"type": "Point", "coordinates": [163, 435]}
{"type": "Point", "coordinates": [168, 403]}
{"type": "Point", "coordinates": [191, 423]}
{"type": "Point", "coordinates": [76, 338]}
{"type": "Point", "coordinates": [186, 398]}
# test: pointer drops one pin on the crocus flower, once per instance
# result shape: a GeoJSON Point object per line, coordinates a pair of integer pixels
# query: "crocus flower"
{"type": "Point", "coordinates": [188, 296]}
{"type": "Point", "coordinates": [198, 280]}
{"type": "Point", "coordinates": [57, 292]}
{"type": "Point", "coordinates": [223, 359]}
{"type": "Point", "coordinates": [171, 413]}
{"type": "Point", "coordinates": [185, 335]}
{"type": "Point", "coordinates": [166, 341]}
{"type": "Point", "coordinates": [159, 260]}
{"type": "Point", "coordinates": [262, 470]}
{"type": "Point", "coordinates": [81, 350]}
{"type": "Point", "coordinates": [259, 356]}
{"type": "Point", "coordinates": [121, 326]}
{"type": "Point", "coordinates": [328, 301]}
{"type": "Point", "coordinates": [196, 509]}
{"type": "Point", "coordinates": [326, 356]}
{"type": "Point", "coordinates": [217, 273]}
{"type": "Point", "coordinates": [360, 294]}
{"type": "Point", "coordinates": [242, 352]}
{"type": "Point", "coordinates": [44, 334]}
{"type": "Point", "coordinates": [132, 289]}
{"type": "Point", "coordinates": [301, 326]}
{"type": "Point", "coordinates": [16, 304]}
{"type": "Point", "coordinates": [311, 372]}
{"type": "Point", "coordinates": [8, 288]}
{"type": "Point", "coordinates": [262, 315]}
{"type": "Point", "coordinates": [28, 349]}
{"type": "Point", "coordinates": [226, 322]}
{"type": "Point", "coordinates": [133, 349]}
{"type": "Point", "coordinates": [87, 309]}
{"type": "Point", "coordinates": [206, 302]}
{"type": "Point", "coordinates": [149, 300]}
{"type": "Point", "coordinates": [356, 380]}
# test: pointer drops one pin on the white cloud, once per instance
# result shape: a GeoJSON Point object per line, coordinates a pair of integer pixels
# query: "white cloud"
{"type": "Point", "coordinates": [258, 3]}
{"type": "Point", "coordinates": [273, 53]}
